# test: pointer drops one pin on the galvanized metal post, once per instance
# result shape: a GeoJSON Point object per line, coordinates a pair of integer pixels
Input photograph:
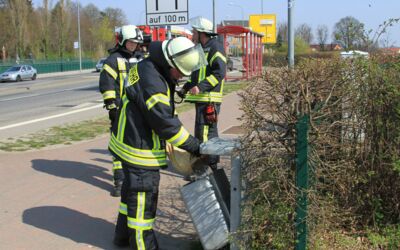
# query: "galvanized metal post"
{"type": "Point", "coordinates": [301, 182]}
{"type": "Point", "coordinates": [290, 33]}
{"type": "Point", "coordinates": [235, 197]}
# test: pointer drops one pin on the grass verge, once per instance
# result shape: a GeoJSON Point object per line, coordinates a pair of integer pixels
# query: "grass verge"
{"type": "Point", "coordinates": [65, 135]}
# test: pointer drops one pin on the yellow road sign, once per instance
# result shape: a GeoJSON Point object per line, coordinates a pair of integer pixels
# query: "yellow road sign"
{"type": "Point", "coordinates": [264, 24]}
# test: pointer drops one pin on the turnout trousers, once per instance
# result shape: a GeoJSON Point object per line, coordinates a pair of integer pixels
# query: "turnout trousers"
{"type": "Point", "coordinates": [118, 173]}
{"type": "Point", "coordinates": [203, 130]}
{"type": "Point", "coordinates": [138, 208]}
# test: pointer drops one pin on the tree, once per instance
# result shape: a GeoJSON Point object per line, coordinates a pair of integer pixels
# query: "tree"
{"type": "Point", "coordinates": [103, 34]}
{"type": "Point", "coordinates": [304, 32]}
{"type": "Point", "coordinates": [58, 20]}
{"type": "Point", "coordinates": [283, 32]}
{"type": "Point", "coordinates": [116, 16]}
{"type": "Point", "coordinates": [322, 36]}
{"type": "Point", "coordinates": [349, 33]}
{"type": "Point", "coordinates": [19, 14]}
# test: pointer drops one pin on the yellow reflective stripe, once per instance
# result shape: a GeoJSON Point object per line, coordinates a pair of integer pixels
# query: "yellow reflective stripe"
{"type": "Point", "coordinates": [140, 216]}
{"type": "Point", "coordinates": [205, 97]}
{"type": "Point", "coordinates": [122, 118]}
{"type": "Point", "coordinates": [179, 138]}
{"type": "Point", "coordinates": [212, 80]}
{"type": "Point", "coordinates": [122, 73]}
{"type": "Point", "coordinates": [122, 150]}
{"type": "Point", "coordinates": [222, 86]}
{"type": "Point", "coordinates": [146, 162]}
{"type": "Point", "coordinates": [154, 99]}
{"type": "Point", "coordinates": [202, 74]}
{"type": "Point", "coordinates": [205, 133]}
{"type": "Point", "coordinates": [116, 165]}
{"type": "Point", "coordinates": [110, 71]}
{"type": "Point", "coordinates": [140, 224]}
{"type": "Point", "coordinates": [142, 153]}
{"type": "Point", "coordinates": [141, 199]}
{"type": "Point", "coordinates": [156, 140]}
{"type": "Point", "coordinates": [123, 208]}
{"type": "Point", "coordinates": [217, 54]}
{"type": "Point", "coordinates": [109, 95]}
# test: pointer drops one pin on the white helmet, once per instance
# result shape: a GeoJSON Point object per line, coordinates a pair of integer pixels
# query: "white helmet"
{"type": "Point", "coordinates": [129, 32]}
{"type": "Point", "coordinates": [184, 55]}
{"type": "Point", "coordinates": [202, 24]}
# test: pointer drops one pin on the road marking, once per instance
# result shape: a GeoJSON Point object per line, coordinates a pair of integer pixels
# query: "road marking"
{"type": "Point", "coordinates": [46, 93]}
{"type": "Point", "coordinates": [50, 117]}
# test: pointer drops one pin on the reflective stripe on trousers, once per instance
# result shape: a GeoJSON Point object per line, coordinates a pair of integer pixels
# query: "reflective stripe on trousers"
{"type": "Point", "coordinates": [138, 207]}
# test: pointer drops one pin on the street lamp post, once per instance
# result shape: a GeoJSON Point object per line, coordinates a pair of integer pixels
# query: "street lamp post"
{"type": "Point", "coordinates": [290, 33]}
{"type": "Point", "coordinates": [214, 18]}
{"type": "Point", "coordinates": [79, 39]}
{"type": "Point", "coordinates": [262, 6]}
{"type": "Point", "coordinates": [241, 9]}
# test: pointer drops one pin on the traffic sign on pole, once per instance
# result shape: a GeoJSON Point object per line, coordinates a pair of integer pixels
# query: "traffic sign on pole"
{"type": "Point", "coordinates": [167, 12]}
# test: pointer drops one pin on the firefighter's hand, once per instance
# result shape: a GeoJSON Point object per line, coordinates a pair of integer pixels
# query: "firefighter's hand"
{"type": "Point", "coordinates": [112, 115]}
{"type": "Point", "coordinates": [195, 90]}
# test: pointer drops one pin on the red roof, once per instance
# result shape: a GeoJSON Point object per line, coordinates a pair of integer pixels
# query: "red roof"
{"type": "Point", "coordinates": [235, 30]}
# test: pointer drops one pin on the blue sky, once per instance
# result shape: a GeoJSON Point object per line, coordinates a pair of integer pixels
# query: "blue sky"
{"type": "Point", "coordinates": [313, 12]}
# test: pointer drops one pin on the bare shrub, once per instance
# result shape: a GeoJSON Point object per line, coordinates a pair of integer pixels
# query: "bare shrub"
{"type": "Point", "coordinates": [354, 152]}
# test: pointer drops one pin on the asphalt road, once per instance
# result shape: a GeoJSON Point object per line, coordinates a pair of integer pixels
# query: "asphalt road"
{"type": "Point", "coordinates": [29, 106]}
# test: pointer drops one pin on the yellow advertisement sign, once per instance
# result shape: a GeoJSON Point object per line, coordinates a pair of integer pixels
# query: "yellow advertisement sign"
{"type": "Point", "coordinates": [264, 24]}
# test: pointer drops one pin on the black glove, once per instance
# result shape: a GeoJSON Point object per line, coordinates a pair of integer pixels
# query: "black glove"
{"type": "Point", "coordinates": [112, 115]}
{"type": "Point", "coordinates": [181, 93]}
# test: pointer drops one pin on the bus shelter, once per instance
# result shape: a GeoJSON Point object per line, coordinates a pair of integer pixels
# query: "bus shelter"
{"type": "Point", "coordinates": [243, 47]}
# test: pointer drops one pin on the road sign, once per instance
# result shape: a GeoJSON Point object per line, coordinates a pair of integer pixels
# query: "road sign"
{"type": "Point", "coordinates": [266, 25]}
{"type": "Point", "coordinates": [76, 45]}
{"type": "Point", "coordinates": [167, 12]}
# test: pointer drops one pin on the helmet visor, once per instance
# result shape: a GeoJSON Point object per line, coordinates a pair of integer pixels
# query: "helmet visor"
{"type": "Point", "coordinates": [190, 60]}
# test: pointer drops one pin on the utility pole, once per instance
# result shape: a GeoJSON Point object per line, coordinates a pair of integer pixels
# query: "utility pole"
{"type": "Point", "coordinates": [290, 33]}
{"type": "Point", "coordinates": [214, 24]}
{"type": "Point", "coordinates": [262, 7]}
{"type": "Point", "coordinates": [79, 39]}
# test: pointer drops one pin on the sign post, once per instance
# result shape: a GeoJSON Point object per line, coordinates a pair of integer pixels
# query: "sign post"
{"type": "Point", "coordinates": [167, 12]}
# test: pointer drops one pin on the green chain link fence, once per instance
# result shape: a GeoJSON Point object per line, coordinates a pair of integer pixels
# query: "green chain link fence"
{"type": "Point", "coordinates": [52, 66]}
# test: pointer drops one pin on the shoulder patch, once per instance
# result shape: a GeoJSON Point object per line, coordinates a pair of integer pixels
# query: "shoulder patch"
{"type": "Point", "coordinates": [133, 75]}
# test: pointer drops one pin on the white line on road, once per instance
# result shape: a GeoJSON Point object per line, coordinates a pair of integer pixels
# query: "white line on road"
{"type": "Point", "coordinates": [50, 117]}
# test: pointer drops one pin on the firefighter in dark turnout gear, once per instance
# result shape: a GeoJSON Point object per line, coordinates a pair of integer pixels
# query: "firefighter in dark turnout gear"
{"type": "Point", "coordinates": [146, 123]}
{"type": "Point", "coordinates": [205, 86]}
{"type": "Point", "coordinates": [111, 83]}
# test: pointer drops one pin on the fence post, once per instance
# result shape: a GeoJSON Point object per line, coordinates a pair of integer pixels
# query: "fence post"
{"type": "Point", "coordinates": [301, 182]}
{"type": "Point", "coordinates": [235, 197]}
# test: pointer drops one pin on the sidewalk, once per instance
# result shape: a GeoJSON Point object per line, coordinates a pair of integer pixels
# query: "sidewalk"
{"type": "Point", "coordinates": [59, 198]}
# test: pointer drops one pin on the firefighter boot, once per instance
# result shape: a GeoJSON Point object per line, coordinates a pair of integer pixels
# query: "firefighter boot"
{"type": "Point", "coordinates": [116, 192]}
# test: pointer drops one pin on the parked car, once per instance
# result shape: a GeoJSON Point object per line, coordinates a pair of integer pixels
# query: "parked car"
{"type": "Point", "coordinates": [99, 65]}
{"type": "Point", "coordinates": [18, 73]}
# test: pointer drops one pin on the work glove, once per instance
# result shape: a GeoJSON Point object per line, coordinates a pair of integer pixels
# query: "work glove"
{"type": "Point", "coordinates": [112, 115]}
{"type": "Point", "coordinates": [181, 93]}
{"type": "Point", "coordinates": [210, 114]}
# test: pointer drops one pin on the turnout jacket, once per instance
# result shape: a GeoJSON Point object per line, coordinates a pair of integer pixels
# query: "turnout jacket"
{"type": "Point", "coordinates": [210, 78]}
{"type": "Point", "coordinates": [146, 116]}
{"type": "Point", "coordinates": [112, 76]}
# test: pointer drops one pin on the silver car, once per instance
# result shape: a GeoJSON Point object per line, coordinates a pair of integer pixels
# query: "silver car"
{"type": "Point", "coordinates": [18, 73]}
{"type": "Point", "coordinates": [99, 65]}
